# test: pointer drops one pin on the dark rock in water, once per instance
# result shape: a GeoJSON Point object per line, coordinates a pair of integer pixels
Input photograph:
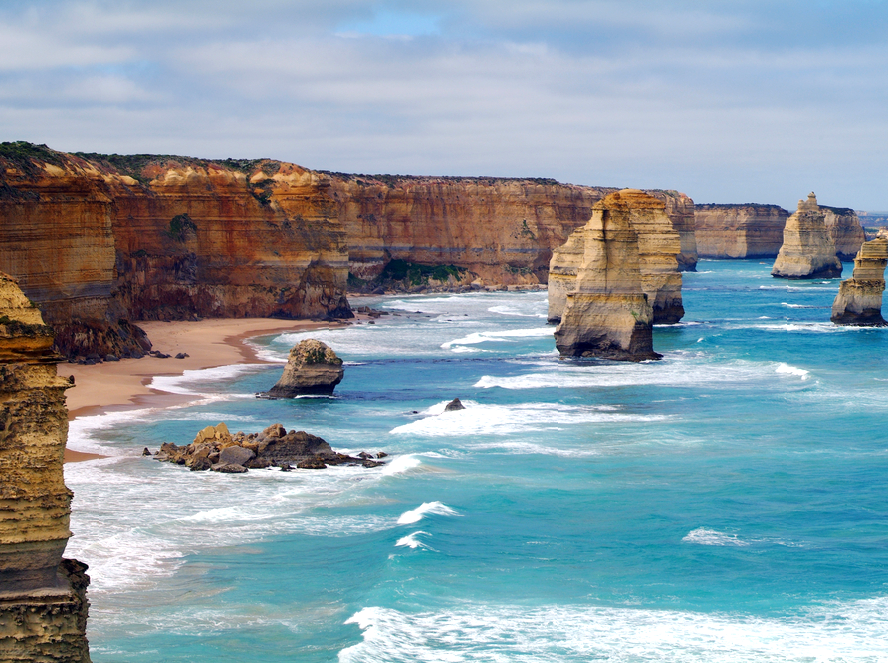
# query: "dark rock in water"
{"type": "Point", "coordinates": [235, 455]}
{"type": "Point", "coordinates": [145, 452]}
{"type": "Point", "coordinates": [292, 446]}
{"type": "Point", "coordinates": [111, 358]}
{"type": "Point", "coordinates": [230, 468]}
{"type": "Point", "coordinates": [200, 465]}
{"type": "Point", "coordinates": [286, 467]}
{"type": "Point", "coordinates": [382, 454]}
{"type": "Point", "coordinates": [365, 455]}
{"type": "Point", "coordinates": [371, 463]}
{"type": "Point", "coordinates": [312, 369]}
{"type": "Point", "coordinates": [258, 464]}
{"type": "Point", "coordinates": [182, 355]}
{"type": "Point", "coordinates": [314, 463]}
{"type": "Point", "coordinates": [453, 405]}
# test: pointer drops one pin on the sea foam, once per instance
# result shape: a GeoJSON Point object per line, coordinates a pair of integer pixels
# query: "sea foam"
{"type": "Point", "coordinates": [431, 508]}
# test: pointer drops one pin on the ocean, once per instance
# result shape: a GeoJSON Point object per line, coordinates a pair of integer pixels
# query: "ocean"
{"type": "Point", "coordinates": [728, 503]}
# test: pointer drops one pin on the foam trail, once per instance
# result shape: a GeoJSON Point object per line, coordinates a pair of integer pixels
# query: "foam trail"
{"type": "Point", "coordinates": [786, 369]}
{"type": "Point", "coordinates": [434, 508]}
{"type": "Point", "coordinates": [485, 336]}
{"type": "Point", "coordinates": [411, 541]}
{"type": "Point", "coordinates": [401, 464]}
{"type": "Point", "coordinates": [710, 537]}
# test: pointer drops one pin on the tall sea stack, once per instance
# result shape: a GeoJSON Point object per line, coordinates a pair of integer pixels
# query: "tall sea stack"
{"type": "Point", "coordinates": [607, 314]}
{"type": "Point", "coordinates": [659, 246]}
{"type": "Point", "coordinates": [859, 300]}
{"type": "Point", "coordinates": [43, 606]}
{"type": "Point", "coordinates": [808, 250]}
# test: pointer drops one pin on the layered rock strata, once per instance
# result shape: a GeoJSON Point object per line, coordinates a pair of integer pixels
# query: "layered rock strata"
{"type": "Point", "coordinates": [739, 231]}
{"type": "Point", "coordinates": [215, 448]}
{"type": "Point", "coordinates": [43, 606]}
{"type": "Point", "coordinates": [607, 314]}
{"type": "Point", "coordinates": [659, 246]}
{"type": "Point", "coordinates": [859, 300]}
{"type": "Point", "coordinates": [97, 241]}
{"type": "Point", "coordinates": [312, 369]}
{"type": "Point", "coordinates": [845, 229]}
{"type": "Point", "coordinates": [808, 250]}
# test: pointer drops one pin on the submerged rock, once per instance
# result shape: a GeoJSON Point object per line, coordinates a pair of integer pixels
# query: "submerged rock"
{"type": "Point", "coordinates": [312, 369]}
{"type": "Point", "coordinates": [859, 300]}
{"type": "Point", "coordinates": [808, 250]}
{"type": "Point", "coordinates": [607, 315]}
{"type": "Point", "coordinates": [453, 405]}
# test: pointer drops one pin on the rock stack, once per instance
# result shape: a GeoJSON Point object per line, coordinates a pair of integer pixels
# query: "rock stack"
{"type": "Point", "coordinates": [312, 369]}
{"type": "Point", "coordinates": [845, 229]}
{"type": "Point", "coordinates": [659, 245]}
{"type": "Point", "coordinates": [43, 605]}
{"type": "Point", "coordinates": [808, 250]}
{"type": "Point", "coordinates": [607, 314]}
{"type": "Point", "coordinates": [859, 301]}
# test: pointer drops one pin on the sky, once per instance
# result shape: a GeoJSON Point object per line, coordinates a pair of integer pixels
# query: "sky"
{"type": "Point", "coordinates": [728, 101]}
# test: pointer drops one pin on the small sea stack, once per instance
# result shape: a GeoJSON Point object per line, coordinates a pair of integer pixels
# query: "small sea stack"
{"type": "Point", "coordinates": [43, 604]}
{"type": "Point", "coordinates": [313, 369]}
{"type": "Point", "coordinates": [859, 300]}
{"type": "Point", "coordinates": [808, 250]}
{"type": "Point", "coordinates": [607, 315]}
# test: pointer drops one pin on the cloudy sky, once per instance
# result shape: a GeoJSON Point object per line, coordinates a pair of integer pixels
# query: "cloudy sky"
{"type": "Point", "coordinates": [726, 100]}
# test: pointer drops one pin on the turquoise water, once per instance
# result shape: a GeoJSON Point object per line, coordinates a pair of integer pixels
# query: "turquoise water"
{"type": "Point", "coordinates": [729, 503]}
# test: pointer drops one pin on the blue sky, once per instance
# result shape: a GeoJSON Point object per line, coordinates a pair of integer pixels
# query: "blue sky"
{"type": "Point", "coordinates": [742, 101]}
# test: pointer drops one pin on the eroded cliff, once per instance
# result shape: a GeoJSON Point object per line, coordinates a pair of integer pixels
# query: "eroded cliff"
{"type": "Point", "coordinates": [845, 229]}
{"type": "Point", "coordinates": [43, 605]}
{"type": "Point", "coordinates": [659, 246]}
{"type": "Point", "coordinates": [808, 250]}
{"type": "Point", "coordinates": [739, 231]}
{"type": "Point", "coordinates": [607, 314]}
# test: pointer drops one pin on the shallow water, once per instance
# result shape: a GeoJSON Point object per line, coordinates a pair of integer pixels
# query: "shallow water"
{"type": "Point", "coordinates": [726, 503]}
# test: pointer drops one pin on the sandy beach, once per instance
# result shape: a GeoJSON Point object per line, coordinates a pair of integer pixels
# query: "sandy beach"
{"type": "Point", "coordinates": [208, 343]}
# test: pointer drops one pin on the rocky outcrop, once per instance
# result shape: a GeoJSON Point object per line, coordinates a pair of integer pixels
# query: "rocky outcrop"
{"type": "Point", "coordinates": [845, 230]}
{"type": "Point", "coordinates": [215, 448]}
{"type": "Point", "coordinates": [607, 314]}
{"type": "Point", "coordinates": [859, 300]}
{"type": "Point", "coordinates": [681, 211]}
{"type": "Point", "coordinates": [739, 231]}
{"type": "Point", "coordinates": [658, 247]}
{"type": "Point", "coordinates": [97, 241]}
{"type": "Point", "coordinates": [312, 369]}
{"type": "Point", "coordinates": [43, 606]}
{"type": "Point", "coordinates": [808, 250]}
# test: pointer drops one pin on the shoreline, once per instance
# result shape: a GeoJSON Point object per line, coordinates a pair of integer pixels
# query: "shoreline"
{"type": "Point", "coordinates": [123, 385]}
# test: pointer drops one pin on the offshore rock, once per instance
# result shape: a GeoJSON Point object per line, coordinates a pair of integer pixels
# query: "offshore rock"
{"type": "Point", "coordinates": [43, 605]}
{"type": "Point", "coordinates": [808, 250]}
{"type": "Point", "coordinates": [454, 406]}
{"type": "Point", "coordinates": [740, 231]}
{"type": "Point", "coordinates": [859, 300]}
{"type": "Point", "coordinates": [607, 315]}
{"type": "Point", "coordinates": [845, 230]}
{"type": "Point", "coordinates": [659, 245]}
{"type": "Point", "coordinates": [312, 369]}
{"type": "Point", "coordinates": [214, 448]}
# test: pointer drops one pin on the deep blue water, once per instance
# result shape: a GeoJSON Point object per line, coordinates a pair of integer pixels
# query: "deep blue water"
{"type": "Point", "coordinates": [728, 503]}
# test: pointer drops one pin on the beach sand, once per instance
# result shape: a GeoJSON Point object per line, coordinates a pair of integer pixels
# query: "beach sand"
{"type": "Point", "coordinates": [208, 343]}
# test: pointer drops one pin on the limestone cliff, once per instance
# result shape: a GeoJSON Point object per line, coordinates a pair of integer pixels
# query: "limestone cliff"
{"type": "Point", "coordinates": [845, 230]}
{"type": "Point", "coordinates": [739, 231]}
{"type": "Point", "coordinates": [681, 211]}
{"type": "Point", "coordinates": [659, 245]}
{"type": "Point", "coordinates": [607, 314]}
{"type": "Point", "coordinates": [98, 240]}
{"type": "Point", "coordinates": [808, 250]}
{"type": "Point", "coordinates": [43, 603]}
{"type": "Point", "coordinates": [859, 300]}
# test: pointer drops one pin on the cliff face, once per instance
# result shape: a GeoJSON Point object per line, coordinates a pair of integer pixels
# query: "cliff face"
{"type": "Point", "coordinates": [659, 245]}
{"type": "Point", "coordinates": [607, 314]}
{"type": "Point", "coordinates": [500, 230]}
{"type": "Point", "coordinates": [681, 211]}
{"type": "Point", "coordinates": [739, 231]}
{"type": "Point", "coordinates": [96, 241]}
{"type": "Point", "coordinates": [845, 230]}
{"type": "Point", "coordinates": [808, 250]}
{"type": "Point", "coordinates": [43, 604]}
{"type": "Point", "coordinates": [859, 300]}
